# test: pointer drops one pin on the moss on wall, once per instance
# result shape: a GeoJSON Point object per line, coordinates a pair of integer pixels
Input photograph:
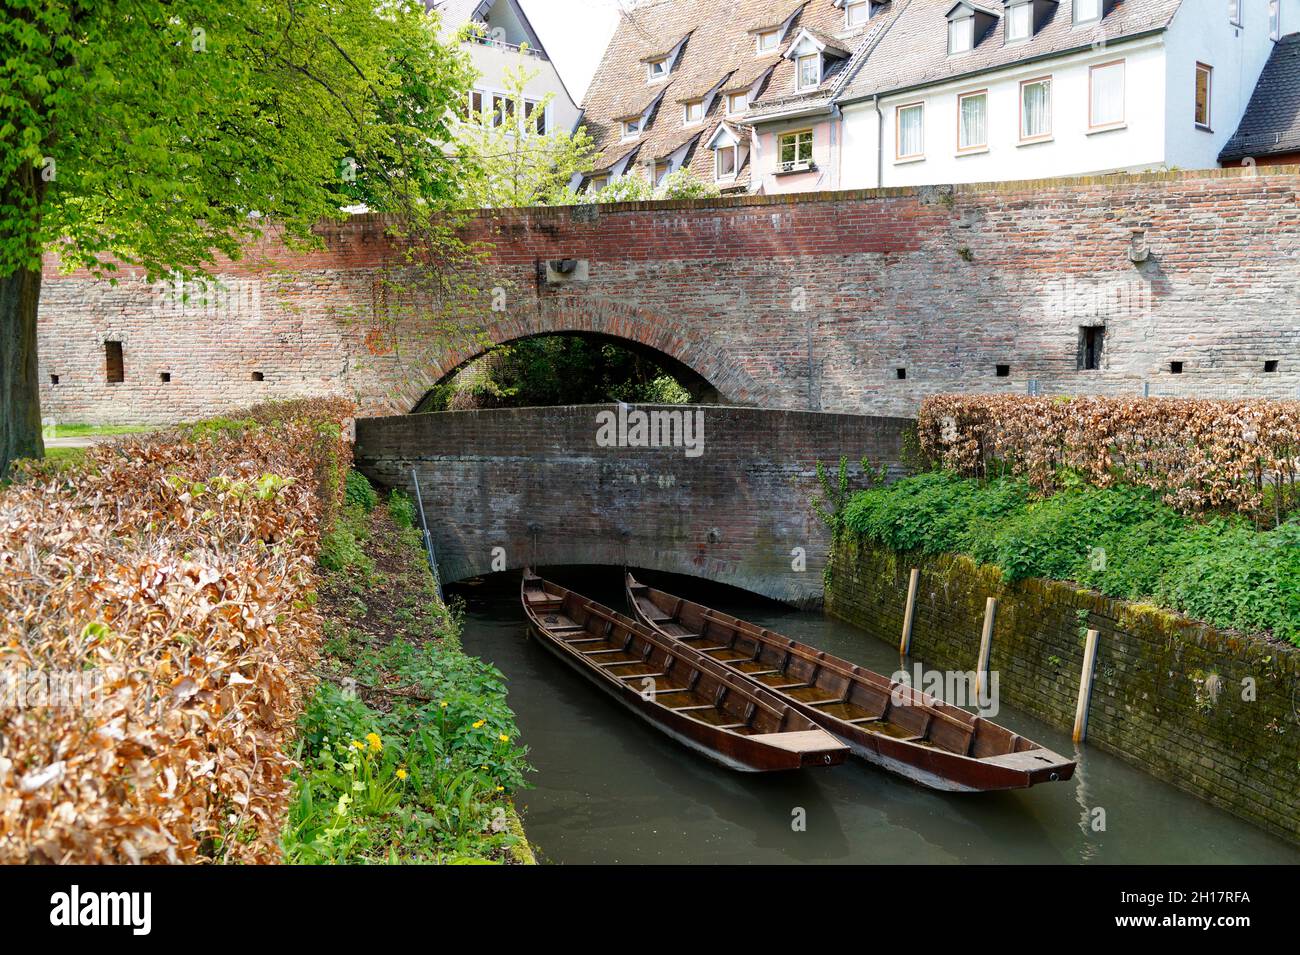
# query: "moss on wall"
{"type": "Point", "coordinates": [1214, 713]}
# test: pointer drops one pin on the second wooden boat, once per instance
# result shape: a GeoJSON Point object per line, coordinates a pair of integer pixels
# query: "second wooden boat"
{"type": "Point", "coordinates": [887, 723]}
{"type": "Point", "coordinates": [693, 699]}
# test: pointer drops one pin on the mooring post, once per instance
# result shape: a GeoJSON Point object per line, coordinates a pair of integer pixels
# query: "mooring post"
{"type": "Point", "coordinates": [986, 644]}
{"type": "Point", "coordinates": [428, 539]}
{"type": "Point", "coordinates": [905, 645]}
{"type": "Point", "coordinates": [1085, 687]}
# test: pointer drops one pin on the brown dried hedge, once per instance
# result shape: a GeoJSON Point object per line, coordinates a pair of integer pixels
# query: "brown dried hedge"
{"type": "Point", "coordinates": [173, 574]}
{"type": "Point", "coordinates": [1199, 455]}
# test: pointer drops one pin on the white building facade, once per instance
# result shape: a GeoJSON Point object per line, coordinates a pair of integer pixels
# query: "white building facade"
{"type": "Point", "coordinates": [501, 40]}
{"type": "Point", "coordinates": [1164, 99]}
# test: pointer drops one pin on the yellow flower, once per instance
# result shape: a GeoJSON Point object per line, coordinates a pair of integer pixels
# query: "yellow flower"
{"type": "Point", "coordinates": [504, 738]}
{"type": "Point", "coordinates": [443, 704]}
{"type": "Point", "coordinates": [479, 724]}
{"type": "Point", "coordinates": [401, 774]}
{"type": "Point", "coordinates": [501, 789]}
{"type": "Point", "coordinates": [375, 743]}
{"type": "Point", "coordinates": [357, 744]}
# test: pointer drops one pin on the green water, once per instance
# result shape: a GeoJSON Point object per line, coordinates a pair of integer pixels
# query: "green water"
{"type": "Point", "coordinates": [610, 788]}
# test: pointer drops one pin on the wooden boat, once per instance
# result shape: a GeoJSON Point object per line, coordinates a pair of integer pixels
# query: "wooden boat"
{"type": "Point", "coordinates": [888, 723]}
{"type": "Point", "coordinates": [693, 699]}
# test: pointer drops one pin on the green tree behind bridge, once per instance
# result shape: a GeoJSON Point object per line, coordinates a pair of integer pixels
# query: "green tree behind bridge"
{"type": "Point", "coordinates": [165, 133]}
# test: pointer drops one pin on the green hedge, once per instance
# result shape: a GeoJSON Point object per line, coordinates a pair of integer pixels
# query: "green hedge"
{"type": "Point", "coordinates": [1121, 541]}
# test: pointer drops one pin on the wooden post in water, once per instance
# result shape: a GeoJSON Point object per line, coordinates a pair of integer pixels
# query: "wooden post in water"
{"type": "Point", "coordinates": [1085, 687]}
{"type": "Point", "coordinates": [905, 645]}
{"type": "Point", "coordinates": [986, 644]}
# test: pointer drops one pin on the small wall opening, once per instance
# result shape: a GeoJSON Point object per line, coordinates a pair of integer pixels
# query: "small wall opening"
{"type": "Point", "coordinates": [1002, 371]}
{"type": "Point", "coordinates": [54, 379]}
{"type": "Point", "coordinates": [258, 376]}
{"type": "Point", "coordinates": [1091, 340]}
{"type": "Point", "coordinates": [165, 377]}
{"type": "Point", "coordinates": [900, 373]}
{"type": "Point", "coordinates": [1175, 368]}
{"type": "Point", "coordinates": [1270, 366]}
{"type": "Point", "coordinates": [114, 364]}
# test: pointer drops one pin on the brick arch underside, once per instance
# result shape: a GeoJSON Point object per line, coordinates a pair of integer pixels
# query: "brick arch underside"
{"type": "Point", "coordinates": [667, 336]}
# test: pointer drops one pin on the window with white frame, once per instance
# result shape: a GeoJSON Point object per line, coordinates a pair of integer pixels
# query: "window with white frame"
{"type": "Point", "coordinates": [726, 162]}
{"type": "Point", "coordinates": [476, 99]}
{"type": "Point", "coordinates": [961, 35]}
{"type": "Point", "coordinates": [737, 103]}
{"type": "Point", "coordinates": [1036, 109]}
{"type": "Point", "coordinates": [657, 69]}
{"type": "Point", "coordinates": [597, 183]}
{"type": "Point", "coordinates": [910, 134]}
{"type": "Point", "coordinates": [1106, 95]}
{"type": "Point", "coordinates": [631, 128]}
{"type": "Point", "coordinates": [1204, 90]}
{"type": "Point", "coordinates": [662, 169]}
{"type": "Point", "coordinates": [1020, 22]}
{"type": "Point", "coordinates": [694, 111]}
{"type": "Point", "coordinates": [973, 121]}
{"type": "Point", "coordinates": [856, 12]}
{"type": "Point", "coordinates": [1085, 11]}
{"type": "Point", "coordinates": [503, 109]}
{"type": "Point", "coordinates": [1234, 12]}
{"type": "Point", "coordinates": [1275, 19]}
{"type": "Point", "coordinates": [809, 74]}
{"type": "Point", "coordinates": [794, 150]}
{"type": "Point", "coordinates": [767, 41]}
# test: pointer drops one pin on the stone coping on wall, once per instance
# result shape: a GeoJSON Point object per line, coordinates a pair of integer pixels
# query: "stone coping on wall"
{"type": "Point", "coordinates": [1171, 695]}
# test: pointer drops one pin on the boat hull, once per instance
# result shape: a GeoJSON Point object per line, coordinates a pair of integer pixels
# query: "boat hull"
{"type": "Point", "coordinates": [686, 731]}
{"type": "Point", "coordinates": [1023, 763]}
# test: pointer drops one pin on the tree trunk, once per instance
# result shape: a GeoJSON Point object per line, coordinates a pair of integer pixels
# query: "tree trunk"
{"type": "Point", "coordinates": [20, 393]}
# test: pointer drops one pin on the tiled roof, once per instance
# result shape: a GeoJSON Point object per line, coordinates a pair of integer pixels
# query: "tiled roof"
{"type": "Point", "coordinates": [1272, 120]}
{"type": "Point", "coordinates": [914, 51]}
{"type": "Point", "coordinates": [720, 46]}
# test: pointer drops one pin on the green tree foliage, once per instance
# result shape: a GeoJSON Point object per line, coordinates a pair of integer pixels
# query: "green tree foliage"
{"type": "Point", "coordinates": [565, 370]}
{"type": "Point", "coordinates": [161, 133]}
{"type": "Point", "coordinates": [631, 187]}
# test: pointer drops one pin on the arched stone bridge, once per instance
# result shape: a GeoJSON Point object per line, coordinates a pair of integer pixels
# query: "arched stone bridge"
{"type": "Point", "coordinates": [726, 498]}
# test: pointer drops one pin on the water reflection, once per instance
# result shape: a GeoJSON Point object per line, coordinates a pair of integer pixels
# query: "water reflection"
{"type": "Point", "coordinates": [611, 788]}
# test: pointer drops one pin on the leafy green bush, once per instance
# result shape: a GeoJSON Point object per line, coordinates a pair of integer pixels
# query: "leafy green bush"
{"type": "Point", "coordinates": [1121, 540]}
{"type": "Point", "coordinates": [420, 781]}
{"type": "Point", "coordinates": [340, 546]}
{"type": "Point", "coordinates": [401, 508]}
{"type": "Point", "coordinates": [357, 490]}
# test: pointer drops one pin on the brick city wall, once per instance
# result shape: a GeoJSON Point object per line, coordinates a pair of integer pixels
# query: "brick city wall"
{"type": "Point", "coordinates": [1154, 701]}
{"type": "Point", "coordinates": [809, 302]}
{"type": "Point", "coordinates": [539, 484]}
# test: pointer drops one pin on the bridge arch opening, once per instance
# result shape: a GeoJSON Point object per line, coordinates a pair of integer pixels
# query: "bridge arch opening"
{"type": "Point", "coordinates": [567, 368]}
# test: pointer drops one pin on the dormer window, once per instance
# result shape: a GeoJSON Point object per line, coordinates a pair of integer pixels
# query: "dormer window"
{"type": "Point", "coordinates": [1020, 22]}
{"type": "Point", "coordinates": [968, 24]}
{"type": "Point", "coordinates": [961, 35]}
{"type": "Point", "coordinates": [737, 103]}
{"type": "Point", "coordinates": [632, 128]}
{"type": "Point", "coordinates": [725, 160]}
{"type": "Point", "coordinates": [856, 12]}
{"type": "Point", "coordinates": [657, 69]}
{"type": "Point", "coordinates": [768, 40]}
{"type": "Point", "coordinates": [694, 111]}
{"type": "Point", "coordinates": [809, 69]}
{"type": "Point", "coordinates": [1086, 11]}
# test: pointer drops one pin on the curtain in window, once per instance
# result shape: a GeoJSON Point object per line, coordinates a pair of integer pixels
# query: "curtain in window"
{"type": "Point", "coordinates": [1108, 95]}
{"type": "Point", "coordinates": [974, 121]}
{"type": "Point", "coordinates": [911, 131]}
{"type": "Point", "coordinates": [1036, 109]}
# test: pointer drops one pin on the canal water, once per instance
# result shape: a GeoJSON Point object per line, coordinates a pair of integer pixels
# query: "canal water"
{"type": "Point", "coordinates": [611, 788]}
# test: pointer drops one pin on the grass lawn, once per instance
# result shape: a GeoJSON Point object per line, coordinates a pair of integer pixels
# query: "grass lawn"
{"type": "Point", "coordinates": [97, 430]}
